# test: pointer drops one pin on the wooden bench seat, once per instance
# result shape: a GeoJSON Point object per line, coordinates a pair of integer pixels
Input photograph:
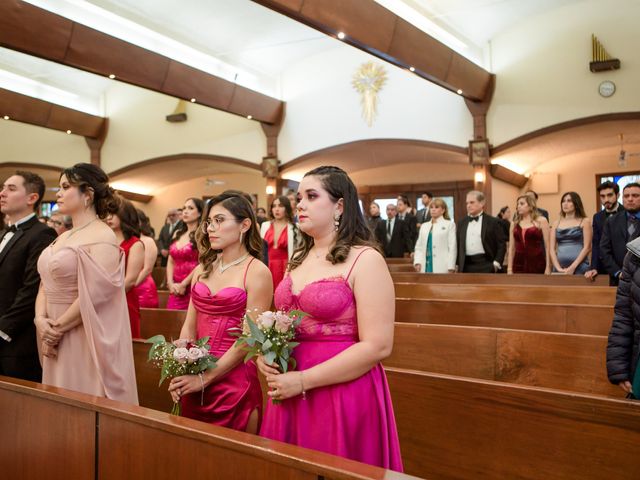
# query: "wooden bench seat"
{"type": "Point", "coordinates": [562, 361]}
{"type": "Point", "coordinates": [566, 295]}
{"type": "Point", "coordinates": [160, 321]}
{"type": "Point", "coordinates": [585, 319]}
{"type": "Point", "coordinates": [498, 279]}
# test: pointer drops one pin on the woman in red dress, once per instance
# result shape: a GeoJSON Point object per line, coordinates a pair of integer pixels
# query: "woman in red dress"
{"type": "Point", "coordinates": [125, 225]}
{"type": "Point", "coordinates": [281, 236]}
{"type": "Point", "coordinates": [528, 240]}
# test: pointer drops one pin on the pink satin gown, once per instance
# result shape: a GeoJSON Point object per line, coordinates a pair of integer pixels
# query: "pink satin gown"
{"type": "Point", "coordinates": [230, 400]}
{"type": "Point", "coordinates": [148, 293]}
{"type": "Point", "coordinates": [353, 419]}
{"type": "Point", "coordinates": [185, 259]}
{"type": "Point", "coordinates": [95, 357]}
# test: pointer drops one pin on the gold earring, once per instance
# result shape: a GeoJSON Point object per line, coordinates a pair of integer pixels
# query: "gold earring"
{"type": "Point", "coordinates": [336, 221]}
{"type": "Point", "coordinates": [241, 235]}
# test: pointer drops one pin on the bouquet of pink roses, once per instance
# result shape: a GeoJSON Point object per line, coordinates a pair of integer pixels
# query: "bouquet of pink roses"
{"type": "Point", "coordinates": [271, 335]}
{"type": "Point", "coordinates": [180, 357]}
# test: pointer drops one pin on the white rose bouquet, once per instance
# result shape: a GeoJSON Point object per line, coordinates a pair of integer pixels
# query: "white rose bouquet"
{"type": "Point", "coordinates": [180, 357]}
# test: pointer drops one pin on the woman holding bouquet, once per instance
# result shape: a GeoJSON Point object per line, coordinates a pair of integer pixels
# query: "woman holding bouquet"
{"type": "Point", "coordinates": [338, 399]}
{"type": "Point", "coordinates": [227, 282]}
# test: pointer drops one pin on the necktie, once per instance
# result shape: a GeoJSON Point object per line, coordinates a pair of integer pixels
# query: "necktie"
{"type": "Point", "coordinates": [389, 226]}
{"type": "Point", "coordinates": [632, 227]}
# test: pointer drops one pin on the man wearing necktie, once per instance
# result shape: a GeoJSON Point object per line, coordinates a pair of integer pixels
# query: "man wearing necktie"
{"type": "Point", "coordinates": [166, 232]}
{"type": "Point", "coordinates": [424, 215]}
{"type": "Point", "coordinates": [395, 234]}
{"type": "Point", "coordinates": [481, 240]}
{"type": "Point", "coordinates": [620, 229]}
{"type": "Point", "coordinates": [20, 247]}
{"type": "Point", "coordinates": [608, 192]}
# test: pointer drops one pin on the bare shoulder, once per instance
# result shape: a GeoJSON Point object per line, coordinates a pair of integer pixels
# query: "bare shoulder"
{"type": "Point", "coordinates": [366, 258]}
{"type": "Point", "coordinates": [259, 270]}
{"type": "Point", "coordinates": [100, 232]}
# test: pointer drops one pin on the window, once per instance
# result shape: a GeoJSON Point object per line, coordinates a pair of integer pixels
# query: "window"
{"type": "Point", "coordinates": [383, 202]}
{"type": "Point", "coordinates": [448, 199]}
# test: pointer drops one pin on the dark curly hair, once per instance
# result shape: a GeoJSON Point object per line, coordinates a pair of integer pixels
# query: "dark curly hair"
{"type": "Point", "coordinates": [182, 228]}
{"type": "Point", "coordinates": [352, 230]}
{"type": "Point", "coordinates": [238, 204]}
{"type": "Point", "coordinates": [145, 224]}
{"type": "Point", "coordinates": [129, 221]}
{"type": "Point", "coordinates": [90, 178]}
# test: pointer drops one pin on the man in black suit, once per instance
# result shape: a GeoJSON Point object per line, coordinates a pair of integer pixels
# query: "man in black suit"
{"type": "Point", "coordinates": [404, 213]}
{"type": "Point", "coordinates": [393, 234]}
{"type": "Point", "coordinates": [481, 240]}
{"type": "Point", "coordinates": [20, 246]}
{"type": "Point", "coordinates": [608, 192]}
{"type": "Point", "coordinates": [164, 238]}
{"type": "Point", "coordinates": [619, 229]}
{"type": "Point", "coordinates": [424, 214]}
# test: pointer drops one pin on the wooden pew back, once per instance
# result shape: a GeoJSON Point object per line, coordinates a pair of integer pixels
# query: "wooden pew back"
{"type": "Point", "coordinates": [499, 279]}
{"type": "Point", "coordinates": [155, 321]}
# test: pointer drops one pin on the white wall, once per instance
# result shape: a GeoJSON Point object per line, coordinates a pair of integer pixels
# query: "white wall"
{"type": "Point", "coordinates": [324, 110]}
{"type": "Point", "coordinates": [542, 67]}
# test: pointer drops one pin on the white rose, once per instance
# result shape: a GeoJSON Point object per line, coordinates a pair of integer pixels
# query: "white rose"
{"type": "Point", "coordinates": [181, 354]}
{"type": "Point", "coordinates": [266, 320]}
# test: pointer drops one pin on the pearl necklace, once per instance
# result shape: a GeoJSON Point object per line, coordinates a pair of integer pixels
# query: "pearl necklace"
{"type": "Point", "coordinates": [223, 267]}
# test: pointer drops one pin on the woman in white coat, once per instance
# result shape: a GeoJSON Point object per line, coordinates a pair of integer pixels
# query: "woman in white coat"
{"type": "Point", "coordinates": [436, 248]}
{"type": "Point", "coordinates": [281, 245]}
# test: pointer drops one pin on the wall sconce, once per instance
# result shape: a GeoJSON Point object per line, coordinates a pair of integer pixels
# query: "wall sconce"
{"type": "Point", "coordinates": [270, 189]}
{"type": "Point", "coordinates": [479, 177]}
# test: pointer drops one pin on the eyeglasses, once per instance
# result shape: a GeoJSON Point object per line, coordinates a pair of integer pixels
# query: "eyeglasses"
{"type": "Point", "coordinates": [217, 221]}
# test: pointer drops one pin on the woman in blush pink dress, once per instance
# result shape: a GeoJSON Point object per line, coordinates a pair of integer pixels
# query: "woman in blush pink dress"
{"type": "Point", "coordinates": [183, 256]}
{"type": "Point", "coordinates": [227, 282]}
{"type": "Point", "coordinates": [81, 310]}
{"type": "Point", "coordinates": [146, 287]}
{"type": "Point", "coordinates": [337, 400]}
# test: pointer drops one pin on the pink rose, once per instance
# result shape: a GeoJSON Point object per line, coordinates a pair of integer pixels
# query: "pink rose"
{"type": "Point", "coordinates": [194, 354]}
{"type": "Point", "coordinates": [266, 320]}
{"type": "Point", "coordinates": [283, 322]}
{"type": "Point", "coordinates": [181, 354]}
{"type": "Point", "coordinates": [181, 343]}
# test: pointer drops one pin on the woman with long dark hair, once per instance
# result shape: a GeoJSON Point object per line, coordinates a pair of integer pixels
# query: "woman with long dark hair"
{"type": "Point", "coordinates": [183, 255]}
{"type": "Point", "coordinates": [571, 237]}
{"type": "Point", "coordinates": [81, 308]}
{"type": "Point", "coordinates": [145, 285]}
{"type": "Point", "coordinates": [337, 400]}
{"type": "Point", "coordinates": [126, 225]}
{"type": "Point", "coordinates": [281, 235]}
{"type": "Point", "coordinates": [227, 282]}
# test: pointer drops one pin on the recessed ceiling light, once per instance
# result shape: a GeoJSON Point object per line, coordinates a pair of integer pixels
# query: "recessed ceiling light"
{"type": "Point", "coordinates": [341, 35]}
{"type": "Point", "coordinates": [7, 117]}
{"type": "Point", "coordinates": [459, 92]}
{"type": "Point", "coordinates": [249, 117]}
{"type": "Point", "coordinates": [68, 132]}
{"type": "Point", "coordinates": [112, 76]}
{"type": "Point", "coordinates": [193, 100]}
{"type": "Point", "coordinates": [413, 69]}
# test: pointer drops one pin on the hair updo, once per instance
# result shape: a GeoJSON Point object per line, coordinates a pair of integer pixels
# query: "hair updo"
{"type": "Point", "coordinates": [91, 179]}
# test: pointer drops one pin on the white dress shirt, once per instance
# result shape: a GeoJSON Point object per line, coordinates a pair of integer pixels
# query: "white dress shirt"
{"type": "Point", "coordinates": [473, 244]}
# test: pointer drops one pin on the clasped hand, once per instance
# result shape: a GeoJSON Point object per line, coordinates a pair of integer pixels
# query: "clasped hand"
{"type": "Point", "coordinates": [184, 385]}
{"type": "Point", "coordinates": [47, 328]}
{"type": "Point", "coordinates": [178, 288]}
{"type": "Point", "coordinates": [282, 385]}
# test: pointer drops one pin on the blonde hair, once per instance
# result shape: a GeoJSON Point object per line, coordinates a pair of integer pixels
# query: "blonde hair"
{"type": "Point", "coordinates": [438, 202]}
{"type": "Point", "coordinates": [531, 201]}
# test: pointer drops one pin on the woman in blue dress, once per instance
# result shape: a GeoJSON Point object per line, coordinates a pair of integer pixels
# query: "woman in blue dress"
{"type": "Point", "coordinates": [570, 242]}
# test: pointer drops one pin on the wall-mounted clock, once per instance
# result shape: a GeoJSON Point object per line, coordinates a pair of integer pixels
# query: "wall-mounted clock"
{"type": "Point", "coordinates": [607, 88]}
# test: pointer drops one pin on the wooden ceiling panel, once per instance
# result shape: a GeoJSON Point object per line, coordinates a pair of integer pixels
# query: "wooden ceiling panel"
{"type": "Point", "coordinates": [23, 108]}
{"type": "Point", "coordinates": [33, 30]}
{"type": "Point", "coordinates": [247, 101]}
{"type": "Point", "coordinates": [80, 123]}
{"type": "Point", "coordinates": [186, 82]}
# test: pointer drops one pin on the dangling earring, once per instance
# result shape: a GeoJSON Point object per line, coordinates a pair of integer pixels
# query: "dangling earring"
{"type": "Point", "coordinates": [241, 235]}
{"type": "Point", "coordinates": [86, 202]}
{"type": "Point", "coordinates": [336, 221]}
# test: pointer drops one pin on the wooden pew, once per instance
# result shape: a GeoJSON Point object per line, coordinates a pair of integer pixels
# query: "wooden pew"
{"type": "Point", "coordinates": [454, 428]}
{"type": "Point", "coordinates": [562, 361]}
{"type": "Point", "coordinates": [155, 321]}
{"type": "Point", "coordinates": [395, 261]}
{"type": "Point", "coordinates": [79, 436]}
{"type": "Point", "coordinates": [400, 267]}
{"type": "Point", "coordinates": [498, 279]}
{"type": "Point", "coordinates": [566, 295]}
{"type": "Point", "coordinates": [159, 275]}
{"type": "Point", "coordinates": [163, 296]}
{"type": "Point", "coordinates": [584, 319]}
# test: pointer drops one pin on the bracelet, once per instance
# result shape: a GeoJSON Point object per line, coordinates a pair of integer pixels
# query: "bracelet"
{"type": "Point", "coordinates": [202, 390]}
{"type": "Point", "coordinates": [303, 391]}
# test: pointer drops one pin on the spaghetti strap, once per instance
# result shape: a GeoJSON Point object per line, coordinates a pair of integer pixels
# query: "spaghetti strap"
{"type": "Point", "coordinates": [355, 261]}
{"type": "Point", "coordinates": [246, 270]}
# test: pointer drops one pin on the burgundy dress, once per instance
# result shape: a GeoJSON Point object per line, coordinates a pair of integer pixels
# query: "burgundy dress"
{"type": "Point", "coordinates": [133, 303]}
{"type": "Point", "coordinates": [278, 254]}
{"type": "Point", "coordinates": [231, 399]}
{"type": "Point", "coordinates": [185, 259]}
{"type": "Point", "coordinates": [530, 252]}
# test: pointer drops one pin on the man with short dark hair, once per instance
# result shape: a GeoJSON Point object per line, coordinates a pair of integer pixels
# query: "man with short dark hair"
{"type": "Point", "coordinates": [404, 213]}
{"type": "Point", "coordinates": [166, 233]}
{"type": "Point", "coordinates": [608, 193]}
{"type": "Point", "coordinates": [21, 243]}
{"type": "Point", "coordinates": [620, 229]}
{"type": "Point", "coordinates": [424, 214]}
{"type": "Point", "coordinates": [541, 211]}
{"type": "Point", "coordinates": [394, 234]}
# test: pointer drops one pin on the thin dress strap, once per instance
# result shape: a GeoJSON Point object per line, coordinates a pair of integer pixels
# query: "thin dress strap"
{"type": "Point", "coordinates": [355, 261]}
{"type": "Point", "coordinates": [246, 270]}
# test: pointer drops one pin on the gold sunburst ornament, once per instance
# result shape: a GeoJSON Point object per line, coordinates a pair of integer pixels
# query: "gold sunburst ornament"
{"type": "Point", "coordinates": [368, 81]}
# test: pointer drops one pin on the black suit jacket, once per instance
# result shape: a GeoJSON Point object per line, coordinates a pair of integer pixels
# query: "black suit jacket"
{"type": "Point", "coordinates": [599, 219]}
{"type": "Point", "coordinates": [19, 282]}
{"type": "Point", "coordinates": [423, 215]}
{"type": "Point", "coordinates": [613, 244]}
{"type": "Point", "coordinates": [412, 226]}
{"type": "Point", "coordinates": [494, 240]}
{"type": "Point", "coordinates": [400, 239]}
{"type": "Point", "coordinates": [164, 238]}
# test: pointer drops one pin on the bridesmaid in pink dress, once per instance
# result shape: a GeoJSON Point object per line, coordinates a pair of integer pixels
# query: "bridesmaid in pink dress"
{"type": "Point", "coordinates": [228, 280]}
{"type": "Point", "coordinates": [183, 256]}
{"type": "Point", "coordinates": [81, 311]}
{"type": "Point", "coordinates": [337, 400]}
{"type": "Point", "coordinates": [146, 287]}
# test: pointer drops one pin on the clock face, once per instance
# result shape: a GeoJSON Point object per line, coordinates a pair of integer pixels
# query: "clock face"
{"type": "Point", "coordinates": [607, 88]}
